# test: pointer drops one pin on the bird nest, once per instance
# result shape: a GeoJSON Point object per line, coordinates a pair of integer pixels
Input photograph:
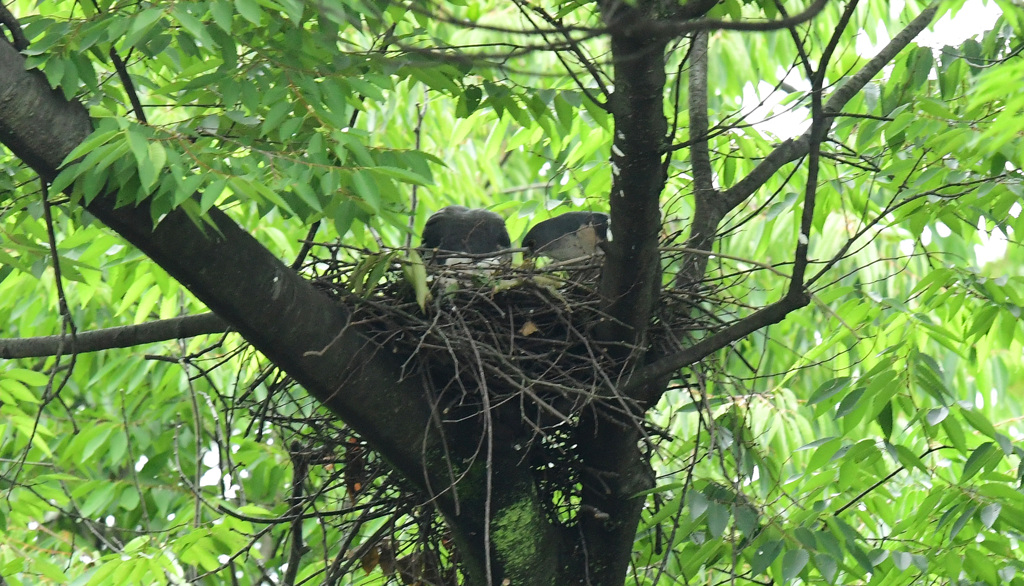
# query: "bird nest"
{"type": "Point", "coordinates": [518, 340]}
{"type": "Point", "coordinates": [514, 343]}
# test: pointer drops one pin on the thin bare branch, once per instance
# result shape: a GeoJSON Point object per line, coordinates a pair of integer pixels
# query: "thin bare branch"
{"type": "Point", "coordinates": [118, 337]}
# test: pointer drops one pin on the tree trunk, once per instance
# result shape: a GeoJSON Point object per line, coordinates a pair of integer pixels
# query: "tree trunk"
{"type": "Point", "coordinates": [614, 468]}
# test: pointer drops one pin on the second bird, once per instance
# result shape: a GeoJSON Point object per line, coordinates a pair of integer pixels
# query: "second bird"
{"type": "Point", "coordinates": [568, 236]}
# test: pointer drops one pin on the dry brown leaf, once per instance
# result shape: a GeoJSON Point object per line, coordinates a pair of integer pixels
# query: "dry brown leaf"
{"type": "Point", "coordinates": [528, 328]}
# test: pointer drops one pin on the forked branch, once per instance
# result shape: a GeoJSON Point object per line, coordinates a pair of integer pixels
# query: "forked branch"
{"type": "Point", "coordinates": [793, 149]}
{"type": "Point", "coordinates": [712, 211]}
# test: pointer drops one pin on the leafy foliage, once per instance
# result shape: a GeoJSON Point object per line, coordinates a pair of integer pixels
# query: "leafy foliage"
{"type": "Point", "coordinates": [870, 438]}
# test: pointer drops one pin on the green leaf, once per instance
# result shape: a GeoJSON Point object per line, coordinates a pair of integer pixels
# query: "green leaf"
{"type": "Point", "coordinates": [909, 459]}
{"type": "Point", "coordinates": [15, 391]}
{"type": "Point", "coordinates": [293, 8]}
{"type": "Point", "coordinates": [747, 520]}
{"type": "Point", "coordinates": [885, 419]}
{"type": "Point", "coordinates": [250, 11]}
{"type": "Point", "coordinates": [980, 565]}
{"type": "Point", "coordinates": [955, 433]}
{"type": "Point", "coordinates": [977, 459]}
{"type": "Point", "coordinates": [29, 377]}
{"type": "Point", "coordinates": [98, 498]}
{"type": "Point", "coordinates": [849, 403]}
{"type": "Point", "coordinates": [416, 275]}
{"type": "Point", "coordinates": [989, 514]}
{"type": "Point", "coordinates": [141, 24]}
{"type": "Point", "coordinates": [193, 25]}
{"type": "Point", "coordinates": [961, 521]}
{"type": "Point", "coordinates": [139, 147]}
{"type": "Point", "coordinates": [275, 115]}
{"type": "Point", "coordinates": [858, 555]}
{"type": "Point", "coordinates": [308, 197]}
{"type": "Point", "coordinates": [400, 174]}
{"type": "Point", "coordinates": [764, 555]}
{"type": "Point", "coordinates": [343, 215]}
{"type": "Point", "coordinates": [66, 177]}
{"type": "Point", "coordinates": [222, 12]}
{"type": "Point", "coordinates": [101, 136]}
{"type": "Point", "coordinates": [827, 565]}
{"type": "Point", "coordinates": [718, 518]}
{"type": "Point", "coordinates": [129, 499]}
{"type": "Point", "coordinates": [51, 571]}
{"type": "Point", "coordinates": [824, 454]}
{"type": "Point", "coordinates": [96, 439]}
{"type": "Point", "coordinates": [698, 503]}
{"type": "Point", "coordinates": [793, 563]}
{"type": "Point", "coordinates": [157, 156]}
{"type": "Point", "coordinates": [366, 189]}
{"type": "Point", "coordinates": [978, 422]}
{"type": "Point", "coordinates": [901, 560]}
{"type": "Point", "coordinates": [828, 389]}
{"type": "Point", "coordinates": [936, 416]}
{"type": "Point", "coordinates": [668, 509]}
{"type": "Point", "coordinates": [806, 538]}
{"type": "Point", "coordinates": [105, 572]}
{"type": "Point", "coordinates": [211, 194]}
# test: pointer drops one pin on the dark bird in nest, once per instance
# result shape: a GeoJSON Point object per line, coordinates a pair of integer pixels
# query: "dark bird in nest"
{"type": "Point", "coordinates": [568, 236]}
{"type": "Point", "coordinates": [456, 229]}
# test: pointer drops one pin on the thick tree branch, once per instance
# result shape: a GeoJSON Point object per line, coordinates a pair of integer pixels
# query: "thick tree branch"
{"type": "Point", "coordinates": [700, 159]}
{"type": "Point", "coordinates": [706, 214]}
{"type": "Point", "coordinates": [12, 25]}
{"type": "Point", "coordinates": [120, 337]}
{"type": "Point", "coordinates": [615, 471]}
{"type": "Point", "coordinates": [671, 28]}
{"type": "Point", "coordinates": [36, 123]}
{"type": "Point", "coordinates": [301, 330]}
{"type": "Point", "coordinates": [669, 365]}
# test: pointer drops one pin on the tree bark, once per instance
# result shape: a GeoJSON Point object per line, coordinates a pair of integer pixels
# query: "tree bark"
{"type": "Point", "coordinates": [631, 278]}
